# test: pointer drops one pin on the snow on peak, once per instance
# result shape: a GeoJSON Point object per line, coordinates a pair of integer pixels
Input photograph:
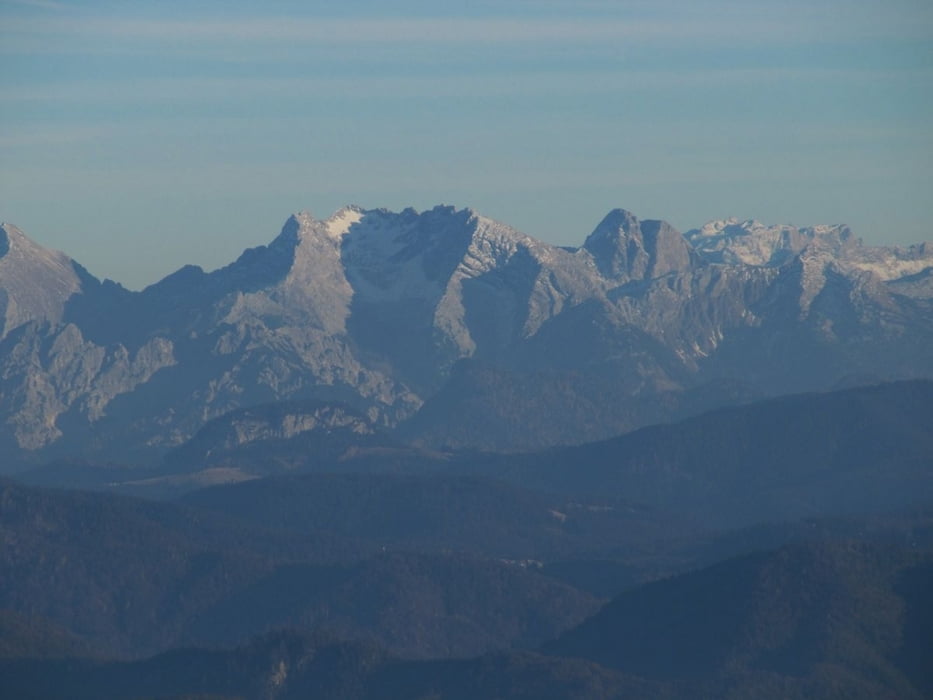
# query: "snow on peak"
{"type": "Point", "coordinates": [733, 225]}
{"type": "Point", "coordinates": [303, 224]}
{"type": "Point", "coordinates": [751, 242]}
{"type": "Point", "coordinates": [341, 221]}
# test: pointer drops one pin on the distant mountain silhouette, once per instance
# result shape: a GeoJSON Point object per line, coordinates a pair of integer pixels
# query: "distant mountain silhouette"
{"type": "Point", "coordinates": [811, 455]}
{"type": "Point", "coordinates": [376, 309]}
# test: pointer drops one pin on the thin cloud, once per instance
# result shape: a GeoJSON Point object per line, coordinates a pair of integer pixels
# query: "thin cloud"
{"type": "Point", "coordinates": [510, 84]}
{"type": "Point", "coordinates": [42, 4]}
{"type": "Point", "coordinates": [50, 135]}
{"type": "Point", "coordinates": [745, 27]}
{"type": "Point", "coordinates": [342, 30]}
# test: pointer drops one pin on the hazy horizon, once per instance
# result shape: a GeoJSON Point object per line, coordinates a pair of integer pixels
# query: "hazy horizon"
{"type": "Point", "coordinates": [140, 138]}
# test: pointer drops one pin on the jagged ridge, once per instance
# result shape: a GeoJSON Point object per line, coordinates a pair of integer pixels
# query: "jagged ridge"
{"type": "Point", "coordinates": [374, 308]}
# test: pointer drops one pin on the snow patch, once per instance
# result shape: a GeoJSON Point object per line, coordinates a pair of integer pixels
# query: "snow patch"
{"type": "Point", "coordinates": [893, 269]}
{"type": "Point", "coordinates": [339, 224]}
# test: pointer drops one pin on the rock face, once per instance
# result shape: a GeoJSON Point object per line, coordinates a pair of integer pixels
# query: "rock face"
{"type": "Point", "coordinates": [752, 243]}
{"type": "Point", "coordinates": [625, 249]}
{"type": "Point", "coordinates": [251, 437]}
{"type": "Point", "coordinates": [35, 283]}
{"type": "Point", "coordinates": [375, 309]}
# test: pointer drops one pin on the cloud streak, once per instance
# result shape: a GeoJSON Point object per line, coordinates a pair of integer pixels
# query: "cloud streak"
{"type": "Point", "coordinates": [40, 4]}
{"type": "Point", "coordinates": [539, 83]}
{"type": "Point", "coordinates": [352, 30]}
{"type": "Point", "coordinates": [736, 27]}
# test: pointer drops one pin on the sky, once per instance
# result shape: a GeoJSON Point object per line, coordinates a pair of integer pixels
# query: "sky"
{"type": "Point", "coordinates": [141, 136]}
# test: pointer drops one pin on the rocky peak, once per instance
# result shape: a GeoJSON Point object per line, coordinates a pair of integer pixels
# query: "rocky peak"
{"type": "Point", "coordinates": [35, 282]}
{"type": "Point", "coordinates": [751, 242]}
{"type": "Point", "coordinates": [343, 220]}
{"type": "Point", "coordinates": [625, 248]}
{"type": "Point", "coordinates": [302, 226]}
{"type": "Point", "coordinates": [288, 236]}
{"type": "Point", "coordinates": [373, 307]}
{"type": "Point", "coordinates": [394, 256]}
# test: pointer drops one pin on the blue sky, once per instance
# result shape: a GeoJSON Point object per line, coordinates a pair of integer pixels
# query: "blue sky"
{"type": "Point", "coordinates": [139, 136]}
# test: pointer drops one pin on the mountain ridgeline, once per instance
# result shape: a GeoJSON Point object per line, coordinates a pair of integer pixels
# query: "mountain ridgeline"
{"type": "Point", "coordinates": [424, 455]}
{"type": "Point", "coordinates": [449, 328]}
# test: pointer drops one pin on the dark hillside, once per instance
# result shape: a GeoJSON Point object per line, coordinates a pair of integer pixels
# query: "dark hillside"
{"type": "Point", "coordinates": [437, 512]}
{"type": "Point", "coordinates": [135, 577]}
{"type": "Point", "coordinates": [816, 613]}
{"type": "Point", "coordinates": [813, 455]}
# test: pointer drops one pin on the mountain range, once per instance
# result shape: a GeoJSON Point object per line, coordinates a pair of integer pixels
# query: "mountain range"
{"type": "Point", "coordinates": [423, 455]}
{"type": "Point", "coordinates": [445, 327]}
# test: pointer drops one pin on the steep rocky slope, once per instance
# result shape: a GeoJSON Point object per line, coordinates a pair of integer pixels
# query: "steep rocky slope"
{"type": "Point", "coordinates": [375, 309]}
